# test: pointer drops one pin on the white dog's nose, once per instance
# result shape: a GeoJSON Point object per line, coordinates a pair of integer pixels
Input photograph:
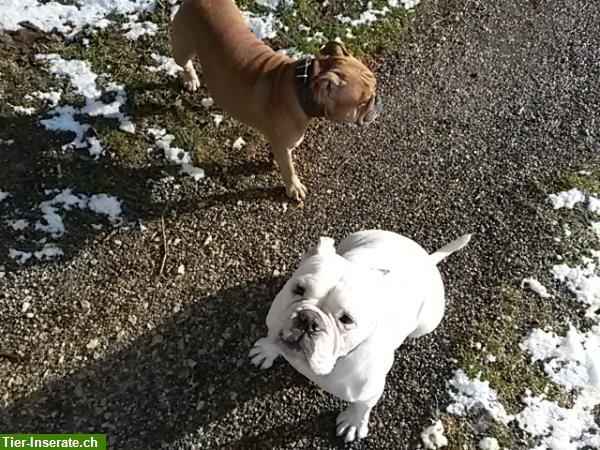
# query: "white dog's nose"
{"type": "Point", "coordinates": [309, 322]}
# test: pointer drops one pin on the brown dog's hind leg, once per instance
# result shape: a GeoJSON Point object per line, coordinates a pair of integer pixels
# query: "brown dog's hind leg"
{"type": "Point", "coordinates": [183, 51]}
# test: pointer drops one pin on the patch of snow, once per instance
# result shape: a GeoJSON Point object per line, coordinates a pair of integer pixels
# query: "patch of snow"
{"type": "Point", "coordinates": [106, 205]}
{"type": "Point", "coordinates": [433, 436]}
{"type": "Point", "coordinates": [488, 443]}
{"type": "Point", "coordinates": [19, 256]}
{"type": "Point", "coordinates": [18, 224]}
{"type": "Point", "coordinates": [567, 199]}
{"type": "Point", "coordinates": [207, 102]}
{"type": "Point", "coordinates": [7, 141]}
{"type": "Point", "coordinates": [573, 361]}
{"type": "Point", "coordinates": [64, 120]}
{"type": "Point", "coordinates": [274, 4]}
{"type": "Point", "coordinates": [473, 396]}
{"type": "Point", "coordinates": [536, 287]}
{"type": "Point", "coordinates": [175, 155]}
{"type": "Point", "coordinates": [196, 173]}
{"type": "Point", "coordinates": [67, 19]}
{"type": "Point", "coordinates": [593, 205]}
{"type": "Point", "coordinates": [83, 80]}
{"type": "Point", "coordinates": [558, 428]}
{"type": "Point", "coordinates": [165, 64]}
{"type": "Point", "coordinates": [263, 26]}
{"type": "Point", "coordinates": [99, 203]}
{"type": "Point", "coordinates": [79, 73]}
{"type": "Point", "coordinates": [139, 29]}
{"type": "Point", "coordinates": [584, 282]}
{"type": "Point", "coordinates": [52, 97]}
{"type": "Point", "coordinates": [4, 195]}
{"type": "Point", "coordinates": [239, 143]}
{"type": "Point", "coordinates": [23, 110]}
{"type": "Point", "coordinates": [49, 251]}
{"type": "Point", "coordinates": [217, 119]}
{"type": "Point", "coordinates": [595, 227]}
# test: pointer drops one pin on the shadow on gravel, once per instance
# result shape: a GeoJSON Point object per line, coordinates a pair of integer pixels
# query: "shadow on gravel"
{"type": "Point", "coordinates": [34, 168]}
{"type": "Point", "coordinates": [170, 382]}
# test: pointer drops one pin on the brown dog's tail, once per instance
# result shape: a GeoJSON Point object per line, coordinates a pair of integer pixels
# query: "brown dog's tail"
{"type": "Point", "coordinates": [450, 248]}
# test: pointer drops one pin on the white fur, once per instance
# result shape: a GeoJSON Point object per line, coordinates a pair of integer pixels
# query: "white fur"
{"type": "Point", "coordinates": [389, 286]}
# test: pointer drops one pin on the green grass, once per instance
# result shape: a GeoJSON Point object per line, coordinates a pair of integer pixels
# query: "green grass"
{"type": "Point", "coordinates": [512, 375]}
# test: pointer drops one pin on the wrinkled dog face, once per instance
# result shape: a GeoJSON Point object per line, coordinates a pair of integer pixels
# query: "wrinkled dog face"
{"type": "Point", "coordinates": [345, 87]}
{"type": "Point", "coordinates": [324, 311]}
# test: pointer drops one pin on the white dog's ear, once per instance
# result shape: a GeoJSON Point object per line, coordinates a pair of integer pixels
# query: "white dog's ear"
{"type": "Point", "coordinates": [326, 245]}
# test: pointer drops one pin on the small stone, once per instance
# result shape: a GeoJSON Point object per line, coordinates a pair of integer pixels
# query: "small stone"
{"type": "Point", "coordinates": [25, 306]}
{"type": "Point", "coordinates": [181, 270]}
{"type": "Point", "coordinates": [191, 363]}
{"type": "Point", "coordinates": [85, 306]}
{"type": "Point", "coordinates": [92, 344]}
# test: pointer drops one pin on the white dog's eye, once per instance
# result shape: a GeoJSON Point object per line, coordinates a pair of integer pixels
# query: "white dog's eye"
{"type": "Point", "coordinates": [298, 290]}
{"type": "Point", "coordinates": [346, 319]}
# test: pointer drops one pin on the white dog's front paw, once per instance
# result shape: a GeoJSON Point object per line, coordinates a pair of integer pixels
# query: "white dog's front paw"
{"type": "Point", "coordinates": [353, 422]}
{"type": "Point", "coordinates": [296, 190]}
{"type": "Point", "coordinates": [263, 353]}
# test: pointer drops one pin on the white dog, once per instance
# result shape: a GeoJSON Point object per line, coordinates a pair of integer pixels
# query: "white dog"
{"type": "Point", "coordinates": [340, 317]}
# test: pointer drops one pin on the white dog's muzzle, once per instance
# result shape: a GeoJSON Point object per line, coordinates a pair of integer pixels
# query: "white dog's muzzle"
{"type": "Point", "coordinates": [309, 337]}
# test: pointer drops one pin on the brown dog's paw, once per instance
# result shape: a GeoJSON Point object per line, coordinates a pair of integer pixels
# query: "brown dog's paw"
{"type": "Point", "coordinates": [296, 190]}
{"type": "Point", "coordinates": [191, 84]}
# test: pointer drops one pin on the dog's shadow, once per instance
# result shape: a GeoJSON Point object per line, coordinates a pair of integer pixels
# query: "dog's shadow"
{"type": "Point", "coordinates": [157, 389]}
{"type": "Point", "coordinates": [28, 169]}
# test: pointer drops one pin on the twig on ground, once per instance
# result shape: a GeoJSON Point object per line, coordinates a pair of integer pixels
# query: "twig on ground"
{"type": "Point", "coordinates": [111, 234]}
{"type": "Point", "coordinates": [165, 248]}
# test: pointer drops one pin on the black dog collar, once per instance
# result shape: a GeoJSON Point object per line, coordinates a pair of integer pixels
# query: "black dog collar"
{"type": "Point", "coordinates": [304, 75]}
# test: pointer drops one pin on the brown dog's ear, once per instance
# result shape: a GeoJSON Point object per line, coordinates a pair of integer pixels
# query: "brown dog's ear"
{"type": "Point", "coordinates": [327, 82]}
{"type": "Point", "coordinates": [334, 48]}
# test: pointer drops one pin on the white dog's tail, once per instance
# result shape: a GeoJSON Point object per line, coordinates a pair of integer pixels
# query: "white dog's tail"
{"type": "Point", "coordinates": [450, 248]}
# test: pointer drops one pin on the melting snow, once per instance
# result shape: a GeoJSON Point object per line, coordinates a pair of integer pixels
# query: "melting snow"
{"type": "Point", "coordinates": [164, 64]}
{"type": "Point", "coordinates": [584, 282]}
{"type": "Point", "coordinates": [558, 428]}
{"type": "Point", "coordinates": [488, 443]}
{"type": "Point", "coordinates": [83, 81]}
{"type": "Point", "coordinates": [67, 19]}
{"type": "Point", "coordinates": [433, 436]}
{"type": "Point", "coordinates": [572, 361]}
{"type": "Point", "coordinates": [176, 155]}
{"type": "Point", "coordinates": [138, 29]}
{"type": "Point", "coordinates": [265, 26]}
{"type": "Point", "coordinates": [239, 143]}
{"type": "Point", "coordinates": [567, 199]}
{"type": "Point", "coordinates": [536, 287]}
{"type": "Point", "coordinates": [473, 396]}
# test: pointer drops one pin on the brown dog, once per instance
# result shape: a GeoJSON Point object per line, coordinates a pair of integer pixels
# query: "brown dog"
{"type": "Point", "coordinates": [271, 92]}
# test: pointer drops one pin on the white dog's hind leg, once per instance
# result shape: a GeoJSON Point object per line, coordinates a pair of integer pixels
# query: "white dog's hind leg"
{"type": "Point", "coordinates": [353, 422]}
{"type": "Point", "coordinates": [264, 353]}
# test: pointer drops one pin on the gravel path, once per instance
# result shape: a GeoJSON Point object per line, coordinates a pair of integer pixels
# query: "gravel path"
{"type": "Point", "coordinates": [483, 102]}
